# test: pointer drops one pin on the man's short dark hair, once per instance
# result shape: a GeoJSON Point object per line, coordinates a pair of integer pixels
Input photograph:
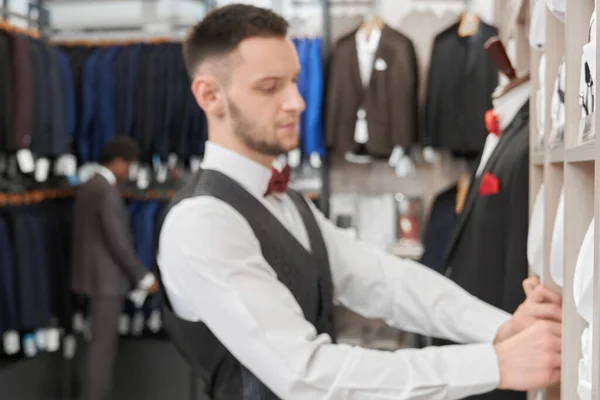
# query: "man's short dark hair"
{"type": "Point", "coordinates": [224, 28]}
{"type": "Point", "coordinates": [120, 147]}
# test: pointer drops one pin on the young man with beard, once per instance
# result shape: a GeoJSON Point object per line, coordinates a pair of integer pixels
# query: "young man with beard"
{"type": "Point", "coordinates": [250, 268]}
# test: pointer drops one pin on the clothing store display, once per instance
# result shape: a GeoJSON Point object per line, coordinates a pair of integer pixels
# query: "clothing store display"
{"type": "Point", "coordinates": [262, 332]}
{"type": "Point", "coordinates": [587, 89]}
{"type": "Point", "coordinates": [34, 270]}
{"type": "Point", "coordinates": [583, 293]}
{"type": "Point", "coordinates": [487, 254]}
{"type": "Point", "coordinates": [441, 224]}
{"type": "Point", "coordinates": [366, 115]}
{"type": "Point", "coordinates": [138, 90]}
{"type": "Point", "coordinates": [537, 27]}
{"type": "Point", "coordinates": [557, 250]}
{"type": "Point", "coordinates": [535, 237]}
{"type": "Point", "coordinates": [310, 85]}
{"type": "Point", "coordinates": [33, 79]}
{"type": "Point", "coordinates": [461, 80]}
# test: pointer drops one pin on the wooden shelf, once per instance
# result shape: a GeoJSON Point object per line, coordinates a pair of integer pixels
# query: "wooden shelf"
{"type": "Point", "coordinates": [582, 153]}
{"type": "Point", "coordinates": [538, 158]}
{"type": "Point", "coordinates": [556, 155]}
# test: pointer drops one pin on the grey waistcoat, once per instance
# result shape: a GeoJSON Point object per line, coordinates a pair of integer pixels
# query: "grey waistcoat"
{"type": "Point", "coordinates": [306, 274]}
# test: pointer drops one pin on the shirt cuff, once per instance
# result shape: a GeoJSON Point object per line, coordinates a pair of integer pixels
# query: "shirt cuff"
{"type": "Point", "coordinates": [488, 320]}
{"type": "Point", "coordinates": [472, 369]}
{"type": "Point", "coordinates": [147, 281]}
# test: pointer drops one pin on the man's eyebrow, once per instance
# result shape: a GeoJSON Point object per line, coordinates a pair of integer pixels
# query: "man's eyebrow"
{"type": "Point", "coordinates": [269, 78]}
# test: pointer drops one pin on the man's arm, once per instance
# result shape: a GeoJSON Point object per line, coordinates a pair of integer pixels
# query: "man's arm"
{"type": "Point", "coordinates": [406, 294]}
{"type": "Point", "coordinates": [115, 231]}
{"type": "Point", "coordinates": [214, 271]}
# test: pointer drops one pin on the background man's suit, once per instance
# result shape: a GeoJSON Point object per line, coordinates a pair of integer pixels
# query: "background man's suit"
{"type": "Point", "coordinates": [104, 264]}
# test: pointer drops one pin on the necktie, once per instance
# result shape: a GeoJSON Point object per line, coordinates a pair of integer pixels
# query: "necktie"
{"type": "Point", "coordinates": [279, 180]}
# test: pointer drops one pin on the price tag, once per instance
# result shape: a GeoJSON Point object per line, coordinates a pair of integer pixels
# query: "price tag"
{"type": "Point", "coordinates": [137, 326]}
{"type": "Point", "coordinates": [11, 342]}
{"type": "Point", "coordinates": [155, 321]}
{"type": "Point", "coordinates": [143, 179]}
{"type": "Point", "coordinates": [42, 168]}
{"type": "Point", "coordinates": [315, 161]}
{"type": "Point", "coordinates": [162, 174]}
{"type": "Point", "coordinates": [172, 160]}
{"type": "Point", "coordinates": [40, 339]}
{"type": "Point", "coordinates": [25, 161]}
{"type": "Point", "coordinates": [29, 345]}
{"type": "Point", "coordinates": [69, 347]}
{"type": "Point", "coordinates": [195, 163]}
{"type": "Point", "coordinates": [124, 324]}
{"type": "Point", "coordinates": [52, 339]}
{"type": "Point", "coordinates": [294, 158]}
{"type": "Point", "coordinates": [134, 170]}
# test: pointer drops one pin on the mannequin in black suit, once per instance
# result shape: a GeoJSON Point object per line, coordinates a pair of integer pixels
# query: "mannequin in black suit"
{"type": "Point", "coordinates": [487, 254]}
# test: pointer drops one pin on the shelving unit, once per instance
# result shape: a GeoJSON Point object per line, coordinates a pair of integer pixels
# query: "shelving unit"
{"type": "Point", "coordinates": [573, 166]}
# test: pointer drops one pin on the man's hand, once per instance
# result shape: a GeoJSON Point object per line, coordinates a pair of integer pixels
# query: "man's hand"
{"type": "Point", "coordinates": [542, 303]}
{"type": "Point", "coordinates": [531, 359]}
{"type": "Point", "coordinates": [153, 288]}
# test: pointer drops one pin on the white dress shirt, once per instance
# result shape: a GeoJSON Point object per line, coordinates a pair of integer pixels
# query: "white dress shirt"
{"type": "Point", "coordinates": [214, 271]}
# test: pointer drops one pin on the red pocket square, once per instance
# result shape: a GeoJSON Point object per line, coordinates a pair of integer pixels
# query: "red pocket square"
{"type": "Point", "coordinates": [489, 185]}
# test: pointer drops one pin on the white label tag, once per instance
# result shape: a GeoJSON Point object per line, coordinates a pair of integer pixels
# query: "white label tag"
{"type": "Point", "coordinates": [429, 155]}
{"type": "Point", "coordinates": [78, 324]}
{"type": "Point", "coordinates": [163, 171]}
{"type": "Point", "coordinates": [172, 160]}
{"type": "Point", "coordinates": [134, 169]}
{"type": "Point", "coordinates": [124, 324]}
{"type": "Point", "coordinates": [40, 339]}
{"type": "Point", "coordinates": [195, 163]}
{"type": "Point", "coordinates": [69, 347]}
{"type": "Point", "coordinates": [315, 161]}
{"type": "Point", "coordinates": [155, 321]}
{"type": "Point", "coordinates": [137, 326]}
{"type": "Point", "coordinates": [396, 155]}
{"type": "Point", "coordinates": [66, 165]}
{"type": "Point", "coordinates": [25, 161]}
{"type": "Point", "coordinates": [42, 168]}
{"type": "Point", "coordinates": [143, 178]}
{"type": "Point", "coordinates": [52, 339]}
{"type": "Point", "coordinates": [294, 158]}
{"type": "Point", "coordinates": [29, 346]}
{"type": "Point", "coordinates": [11, 342]}
{"type": "Point", "coordinates": [138, 297]}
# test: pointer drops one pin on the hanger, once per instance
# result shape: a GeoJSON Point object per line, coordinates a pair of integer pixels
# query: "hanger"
{"type": "Point", "coordinates": [497, 52]}
{"type": "Point", "coordinates": [469, 21]}
{"type": "Point", "coordinates": [6, 26]}
{"type": "Point", "coordinates": [371, 22]}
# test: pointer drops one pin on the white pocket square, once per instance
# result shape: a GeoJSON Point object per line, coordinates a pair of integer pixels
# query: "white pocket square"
{"type": "Point", "coordinates": [380, 64]}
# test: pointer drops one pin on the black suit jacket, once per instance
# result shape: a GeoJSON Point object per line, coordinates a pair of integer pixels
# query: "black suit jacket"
{"type": "Point", "coordinates": [487, 254]}
{"type": "Point", "coordinates": [5, 94]}
{"type": "Point", "coordinates": [462, 78]}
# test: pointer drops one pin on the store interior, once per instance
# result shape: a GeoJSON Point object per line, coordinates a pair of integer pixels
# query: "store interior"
{"type": "Point", "coordinates": [431, 71]}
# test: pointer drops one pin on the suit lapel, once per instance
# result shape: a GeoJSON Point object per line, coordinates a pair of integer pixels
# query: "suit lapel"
{"type": "Point", "coordinates": [473, 193]}
{"type": "Point", "coordinates": [354, 65]}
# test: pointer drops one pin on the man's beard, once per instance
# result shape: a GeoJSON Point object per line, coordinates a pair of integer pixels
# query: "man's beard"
{"type": "Point", "coordinates": [247, 132]}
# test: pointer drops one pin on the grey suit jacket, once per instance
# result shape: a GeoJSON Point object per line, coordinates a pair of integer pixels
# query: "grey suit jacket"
{"type": "Point", "coordinates": [104, 259]}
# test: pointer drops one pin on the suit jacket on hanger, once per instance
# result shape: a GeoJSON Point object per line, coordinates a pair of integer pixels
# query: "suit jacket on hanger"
{"type": "Point", "coordinates": [390, 100]}
{"type": "Point", "coordinates": [462, 78]}
{"type": "Point", "coordinates": [487, 254]}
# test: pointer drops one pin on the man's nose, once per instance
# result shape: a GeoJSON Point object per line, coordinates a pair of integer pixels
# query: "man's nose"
{"type": "Point", "coordinates": [294, 101]}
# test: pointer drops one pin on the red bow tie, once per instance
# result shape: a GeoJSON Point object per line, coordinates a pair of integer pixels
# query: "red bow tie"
{"type": "Point", "coordinates": [279, 180]}
{"type": "Point", "coordinates": [491, 122]}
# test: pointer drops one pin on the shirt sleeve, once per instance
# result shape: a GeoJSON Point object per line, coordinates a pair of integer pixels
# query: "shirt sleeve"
{"type": "Point", "coordinates": [404, 293]}
{"type": "Point", "coordinates": [214, 271]}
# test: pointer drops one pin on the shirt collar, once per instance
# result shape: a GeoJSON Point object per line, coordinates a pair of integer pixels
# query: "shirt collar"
{"type": "Point", "coordinates": [253, 176]}
{"type": "Point", "coordinates": [368, 45]}
{"type": "Point", "coordinates": [107, 174]}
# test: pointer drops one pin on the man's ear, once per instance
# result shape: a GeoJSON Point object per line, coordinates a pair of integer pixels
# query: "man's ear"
{"type": "Point", "coordinates": [209, 95]}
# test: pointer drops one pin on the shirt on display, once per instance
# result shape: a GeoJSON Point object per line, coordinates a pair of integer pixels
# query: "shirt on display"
{"type": "Point", "coordinates": [583, 282]}
{"type": "Point", "coordinates": [537, 28]}
{"type": "Point", "coordinates": [557, 248]}
{"type": "Point", "coordinates": [535, 237]}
